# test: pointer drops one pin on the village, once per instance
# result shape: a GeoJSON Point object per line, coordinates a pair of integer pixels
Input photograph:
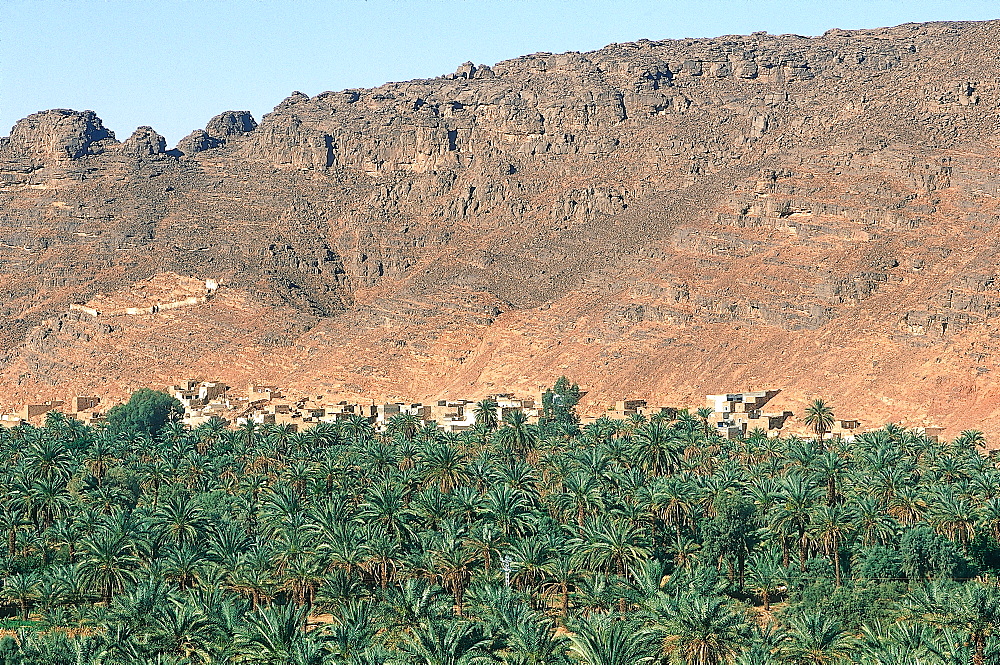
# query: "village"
{"type": "Point", "coordinates": [731, 415]}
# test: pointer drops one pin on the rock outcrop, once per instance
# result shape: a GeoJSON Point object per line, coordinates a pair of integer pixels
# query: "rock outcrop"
{"type": "Point", "coordinates": [219, 129]}
{"type": "Point", "coordinates": [144, 142]}
{"type": "Point", "coordinates": [660, 218]}
{"type": "Point", "coordinates": [60, 134]}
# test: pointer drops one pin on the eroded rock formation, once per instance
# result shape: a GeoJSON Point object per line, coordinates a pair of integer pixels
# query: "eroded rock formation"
{"type": "Point", "coordinates": [662, 219]}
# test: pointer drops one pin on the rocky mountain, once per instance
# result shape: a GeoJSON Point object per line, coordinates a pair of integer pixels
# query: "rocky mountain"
{"type": "Point", "coordinates": [660, 218]}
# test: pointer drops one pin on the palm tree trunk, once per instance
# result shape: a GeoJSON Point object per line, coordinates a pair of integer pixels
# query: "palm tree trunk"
{"type": "Point", "coordinates": [802, 551]}
{"type": "Point", "coordinates": [835, 553]}
{"type": "Point", "coordinates": [741, 567]}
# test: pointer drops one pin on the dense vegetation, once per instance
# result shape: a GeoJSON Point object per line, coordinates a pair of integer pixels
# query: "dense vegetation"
{"type": "Point", "coordinates": [617, 543]}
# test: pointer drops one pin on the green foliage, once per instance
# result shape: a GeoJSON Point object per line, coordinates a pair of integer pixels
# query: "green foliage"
{"type": "Point", "coordinates": [929, 556]}
{"type": "Point", "coordinates": [609, 640]}
{"type": "Point", "coordinates": [518, 543]}
{"type": "Point", "coordinates": [147, 412]}
{"type": "Point", "coordinates": [732, 534]}
{"type": "Point", "coordinates": [852, 605]}
{"type": "Point", "coordinates": [984, 552]}
{"type": "Point", "coordinates": [819, 415]}
{"type": "Point", "coordinates": [559, 402]}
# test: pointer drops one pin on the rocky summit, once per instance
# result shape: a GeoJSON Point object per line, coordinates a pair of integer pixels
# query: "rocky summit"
{"type": "Point", "coordinates": [659, 219]}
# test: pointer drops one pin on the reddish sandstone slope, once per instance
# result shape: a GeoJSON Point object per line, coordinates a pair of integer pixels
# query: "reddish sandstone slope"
{"type": "Point", "coordinates": [660, 219]}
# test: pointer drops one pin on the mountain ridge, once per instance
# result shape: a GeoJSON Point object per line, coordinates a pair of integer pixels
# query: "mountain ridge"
{"type": "Point", "coordinates": [666, 219]}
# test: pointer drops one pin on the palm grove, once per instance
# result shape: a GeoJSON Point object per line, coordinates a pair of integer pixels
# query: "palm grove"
{"type": "Point", "coordinates": [615, 543]}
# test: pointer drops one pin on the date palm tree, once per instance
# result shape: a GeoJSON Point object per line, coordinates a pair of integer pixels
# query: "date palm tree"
{"type": "Point", "coordinates": [971, 438]}
{"type": "Point", "coordinates": [300, 578]}
{"type": "Point", "coordinates": [533, 640]}
{"type": "Point", "coordinates": [581, 496]}
{"type": "Point", "coordinates": [766, 577]}
{"type": "Point", "coordinates": [655, 449]}
{"type": "Point", "coordinates": [486, 414]}
{"type": "Point", "coordinates": [611, 545]}
{"type": "Point", "coordinates": [437, 642]}
{"type": "Point", "coordinates": [404, 424]}
{"type": "Point", "coordinates": [385, 505]}
{"type": "Point", "coordinates": [20, 588]}
{"type": "Point", "coordinates": [831, 468]}
{"type": "Point", "coordinates": [486, 539]}
{"type": "Point", "coordinates": [561, 576]}
{"type": "Point", "coordinates": [608, 640]}
{"type": "Point", "coordinates": [831, 526]}
{"type": "Point", "coordinates": [108, 562]}
{"type": "Point", "coordinates": [179, 519]}
{"type": "Point", "coordinates": [815, 639]}
{"type": "Point", "coordinates": [819, 416]}
{"type": "Point", "coordinates": [184, 564]}
{"type": "Point", "coordinates": [973, 608]}
{"type": "Point", "coordinates": [275, 636]}
{"type": "Point", "coordinates": [509, 509]}
{"type": "Point", "coordinates": [183, 629]}
{"type": "Point", "coordinates": [453, 567]}
{"type": "Point", "coordinates": [702, 629]}
{"type": "Point", "coordinates": [793, 512]}
{"type": "Point", "coordinates": [529, 557]}
{"type": "Point", "coordinates": [952, 515]}
{"type": "Point", "coordinates": [517, 433]}
{"type": "Point", "coordinates": [413, 602]}
{"type": "Point", "coordinates": [13, 520]}
{"type": "Point", "coordinates": [704, 413]}
{"type": "Point", "coordinates": [873, 524]}
{"type": "Point", "coordinates": [444, 465]}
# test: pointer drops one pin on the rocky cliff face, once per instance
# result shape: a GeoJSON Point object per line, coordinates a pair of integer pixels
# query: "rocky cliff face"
{"type": "Point", "coordinates": [660, 219]}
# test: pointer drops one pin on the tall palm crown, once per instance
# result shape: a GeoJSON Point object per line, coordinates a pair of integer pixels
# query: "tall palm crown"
{"type": "Point", "coordinates": [486, 414]}
{"type": "Point", "coordinates": [819, 415]}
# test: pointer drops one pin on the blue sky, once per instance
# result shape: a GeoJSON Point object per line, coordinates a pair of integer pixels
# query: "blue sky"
{"type": "Point", "coordinates": [173, 64]}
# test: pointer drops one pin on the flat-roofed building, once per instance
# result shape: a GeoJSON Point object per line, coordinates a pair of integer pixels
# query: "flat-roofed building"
{"type": "Point", "coordinates": [29, 411]}
{"type": "Point", "coordinates": [736, 414]}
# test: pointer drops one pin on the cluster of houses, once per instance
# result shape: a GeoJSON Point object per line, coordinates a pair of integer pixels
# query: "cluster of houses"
{"type": "Point", "coordinates": [267, 404]}
{"type": "Point", "coordinates": [83, 407]}
{"type": "Point", "coordinates": [732, 414]}
{"type": "Point", "coordinates": [738, 414]}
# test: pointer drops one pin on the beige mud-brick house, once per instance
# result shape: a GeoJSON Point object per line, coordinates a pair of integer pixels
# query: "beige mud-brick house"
{"type": "Point", "coordinates": [736, 414]}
